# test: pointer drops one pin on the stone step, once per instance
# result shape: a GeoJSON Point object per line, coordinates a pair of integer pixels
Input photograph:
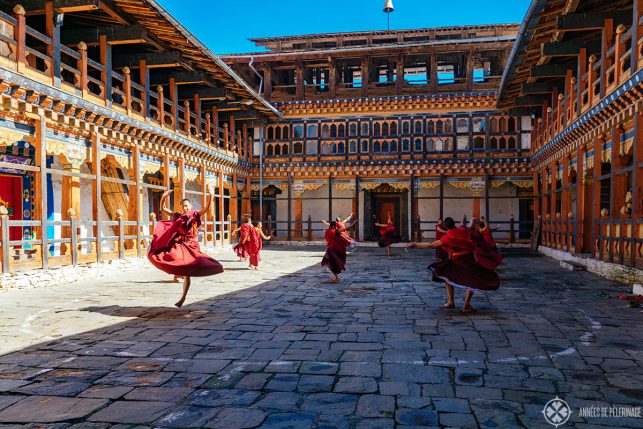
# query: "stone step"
{"type": "Point", "coordinates": [572, 266]}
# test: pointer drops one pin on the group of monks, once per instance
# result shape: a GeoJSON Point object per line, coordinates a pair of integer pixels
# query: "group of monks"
{"type": "Point", "coordinates": [465, 256]}
{"type": "Point", "coordinates": [250, 242]}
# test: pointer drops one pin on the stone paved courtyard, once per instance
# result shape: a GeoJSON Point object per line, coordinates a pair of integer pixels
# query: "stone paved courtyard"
{"type": "Point", "coordinates": [283, 348]}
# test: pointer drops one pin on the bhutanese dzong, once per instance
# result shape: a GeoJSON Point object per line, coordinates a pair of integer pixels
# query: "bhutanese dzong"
{"type": "Point", "coordinates": [106, 104]}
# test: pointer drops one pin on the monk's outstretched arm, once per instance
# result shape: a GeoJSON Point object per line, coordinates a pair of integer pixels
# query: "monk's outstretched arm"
{"type": "Point", "coordinates": [164, 198]}
{"type": "Point", "coordinates": [264, 236]}
{"type": "Point", "coordinates": [325, 222]}
{"type": "Point", "coordinates": [433, 245]}
{"type": "Point", "coordinates": [350, 216]}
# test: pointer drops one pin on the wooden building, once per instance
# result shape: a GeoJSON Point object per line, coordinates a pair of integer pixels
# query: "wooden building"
{"type": "Point", "coordinates": [401, 122]}
{"type": "Point", "coordinates": [576, 67]}
{"type": "Point", "coordinates": [106, 104]}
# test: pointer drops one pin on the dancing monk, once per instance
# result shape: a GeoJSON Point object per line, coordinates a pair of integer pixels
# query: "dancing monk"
{"type": "Point", "coordinates": [335, 257]}
{"type": "Point", "coordinates": [470, 264]}
{"type": "Point", "coordinates": [388, 234]}
{"type": "Point", "coordinates": [175, 248]}
{"type": "Point", "coordinates": [256, 244]}
{"type": "Point", "coordinates": [243, 248]}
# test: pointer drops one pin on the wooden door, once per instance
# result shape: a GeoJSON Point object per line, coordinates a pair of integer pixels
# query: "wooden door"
{"type": "Point", "coordinates": [385, 205]}
{"type": "Point", "coordinates": [11, 198]}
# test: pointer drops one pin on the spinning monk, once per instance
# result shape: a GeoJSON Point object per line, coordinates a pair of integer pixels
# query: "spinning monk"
{"type": "Point", "coordinates": [469, 264]}
{"type": "Point", "coordinates": [388, 234]}
{"type": "Point", "coordinates": [341, 224]}
{"type": "Point", "coordinates": [335, 257]}
{"type": "Point", "coordinates": [256, 244]}
{"type": "Point", "coordinates": [175, 248]}
{"type": "Point", "coordinates": [242, 249]}
{"type": "Point", "coordinates": [440, 230]}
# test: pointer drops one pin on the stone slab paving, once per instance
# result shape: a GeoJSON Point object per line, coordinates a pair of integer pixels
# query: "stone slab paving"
{"type": "Point", "coordinates": [284, 348]}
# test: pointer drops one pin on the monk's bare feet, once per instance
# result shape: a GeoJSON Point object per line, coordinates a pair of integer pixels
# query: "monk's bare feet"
{"type": "Point", "coordinates": [448, 305]}
{"type": "Point", "coordinates": [468, 309]}
{"type": "Point", "coordinates": [179, 303]}
{"type": "Point", "coordinates": [335, 280]}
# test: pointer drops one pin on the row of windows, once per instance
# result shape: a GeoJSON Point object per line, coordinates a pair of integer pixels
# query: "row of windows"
{"type": "Point", "coordinates": [388, 146]}
{"type": "Point", "coordinates": [390, 128]}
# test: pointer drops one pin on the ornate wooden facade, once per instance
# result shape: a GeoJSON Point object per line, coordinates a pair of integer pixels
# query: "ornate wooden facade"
{"type": "Point", "coordinates": [578, 72]}
{"type": "Point", "coordinates": [104, 106]}
{"type": "Point", "coordinates": [393, 120]}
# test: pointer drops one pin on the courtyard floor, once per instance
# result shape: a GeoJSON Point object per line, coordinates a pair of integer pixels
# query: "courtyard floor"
{"type": "Point", "coordinates": [284, 348]}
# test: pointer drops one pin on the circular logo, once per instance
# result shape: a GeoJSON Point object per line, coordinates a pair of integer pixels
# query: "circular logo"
{"type": "Point", "coordinates": [557, 412]}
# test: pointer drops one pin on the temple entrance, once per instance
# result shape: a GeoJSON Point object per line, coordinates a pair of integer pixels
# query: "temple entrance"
{"type": "Point", "coordinates": [11, 198]}
{"type": "Point", "coordinates": [378, 204]}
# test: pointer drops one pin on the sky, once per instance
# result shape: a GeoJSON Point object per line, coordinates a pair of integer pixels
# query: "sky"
{"type": "Point", "coordinates": [225, 26]}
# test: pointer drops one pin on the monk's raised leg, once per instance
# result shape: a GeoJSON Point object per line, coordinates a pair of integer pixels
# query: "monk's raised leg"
{"type": "Point", "coordinates": [449, 303]}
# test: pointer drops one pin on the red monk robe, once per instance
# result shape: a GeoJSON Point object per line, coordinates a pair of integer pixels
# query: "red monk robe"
{"type": "Point", "coordinates": [255, 244]}
{"type": "Point", "coordinates": [440, 252]}
{"type": "Point", "coordinates": [469, 264]}
{"type": "Point", "coordinates": [175, 249]}
{"type": "Point", "coordinates": [242, 249]}
{"type": "Point", "coordinates": [388, 235]}
{"type": "Point", "coordinates": [335, 257]}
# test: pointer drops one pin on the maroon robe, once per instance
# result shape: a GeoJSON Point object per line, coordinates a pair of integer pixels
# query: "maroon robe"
{"type": "Point", "coordinates": [463, 268]}
{"type": "Point", "coordinates": [242, 249]}
{"type": "Point", "coordinates": [440, 252]}
{"type": "Point", "coordinates": [255, 244]}
{"type": "Point", "coordinates": [175, 249]}
{"type": "Point", "coordinates": [335, 257]}
{"type": "Point", "coordinates": [388, 235]}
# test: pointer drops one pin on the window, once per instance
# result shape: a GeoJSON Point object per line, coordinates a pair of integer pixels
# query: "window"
{"type": "Point", "coordinates": [325, 131]}
{"type": "Point", "coordinates": [439, 146]}
{"type": "Point", "coordinates": [417, 127]}
{"type": "Point", "coordinates": [352, 146]}
{"type": "Point", "coordinates": [376, 147]}
{"type": "Point", "coordinates": [298, 131]}
{"type": "Point", "coordinates": [333, 148]}
{"type": "Point", "coordinates": [352, 130]}
{"type": "Point", "coordinates": [511, 143]}
{"type": "Point", "coordinates": [325, 149]}
{"type": "Point", "coordinates": [478, 143]}
{"type": "Point", "coordinates": [430, 145]}
{"type": "Point", "coordinates": [384, 146]}
{"type": "Point", "coordinates": [448, 126]}
{"type": "Point", "coordinates": [278, 133]}
{"type": "Point", "coordinates": [418, 145]}
{"type": "Point", "coordinates": [285, 132]}
{"type": "Point", "coordinates": [311, 147]}
{"type": "Point", "coordinates": [606, 187]}
{"type": "Point", "coordinates": [364, 146]}
{"type": "Point", "coordinates": [333, 131]}
{"type": "Point", "coordinates": [406, 145]}
{"type": "Point", "coordinates": [341, 148]}
{"type": "Point", "coordinates": [463, 142]}
{"type": "Point", "coordinates": [393, 128]}
{"type": "Point", "coordinates": [269, 150]}
{"type": "Point", "coordinates": [271, 133]}
{"type": "Point", "coordinates": [478, 125]}
{"type": "Point", "coordinates": [277, 150]}
{"type": "Point", "coordinates": [311, 131]}
{"type": "Point", "coordinates": [385, 131]}
{"type": "Point", "coordinates": [463, 125]}
{"type": "Point", "coordinates": [364, 128]}
{"type": "Point", "coordinates": [298, 148]}
{"type": "Point", "coordinates": [341, 130]}
{"type": "Point", "coordinates": [438, 127]}
{"type": "Point", "coordinates": [430, 127]}
{"type": "Point", "coordinates": [376, 129]}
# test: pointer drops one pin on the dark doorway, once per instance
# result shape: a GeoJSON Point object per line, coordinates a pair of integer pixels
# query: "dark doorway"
{"type": "Point", "coordinates": [381, 201]}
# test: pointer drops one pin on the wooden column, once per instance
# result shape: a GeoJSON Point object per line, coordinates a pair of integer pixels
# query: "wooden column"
{"type": "Point", "coordinates": [267, 82]}
{"type": "Point", "coordinates": [215, 125]}
{"type": "Point", "coordinates": [607, 36]}
{"type": "Point", "coordinates": [364, 76]}
{"type": "Point", "coordinates": [179, 186]}
{"type": "Point", "coordinates": [330, 198]}
{"type": "Point", "coordinates": [144, 74]}
{"type": "Point", "coordinates": [637, 180]}
{"type": "Point", "coordinates": [52, 31]}
{"type": "Point", "coordinates": [469, 71]}
{"type": "Point", "coordinates": [596, 190]}
{"type": "Point", "coordinates": [106, 73]}
{"type": "Point", "coordinates": [234, 201]}
{"type": "Point", "coordinates": [70, 196]}
{"type": "Point", "coordinates": [245, 150]}
{"type": "Point", "coordinates": [487, 185]}
{"type": "Point", "coordinates": [299, 81]}
{"type": "Point", "coordinates": [197, 113]}
{"type": "Point", "coordinates": [433, 73]}
{"type": "Point", "coordinates": [40, 146]}
{"type": "Point", "coordinates": [289, 217]}
{"type": "Point", "coordinates": [332, 78]}
{"type": "Point", "coordinates": [166, 183]}
{"type": "Point", "coordinates": [582, 188]}
{"type": "Point", "coordinates": [233, 133]}
{"type": "Point", "coordinates": [134, 192]}
{"type": "Point", "coordinates": [97, 191]}
{"type": "Point", "coordinates": [174, 97]}
{"type": "Point", "coordinates": [161, 105]}
{"type": "Point", "coordinates": [221, 208]}
{"type": "Point", "coordinates": [21, 38]}
{"type": "Point", "coordinates": [299, 217]}
{"type": "Point", "coordinates": [399, 74]}
{"type": "Point", "coordinates": [442, 196]}
{"type": "Point", "coordinates": [247, 205]}
{"type": "Point", "coordinates": [356, 207]}
{"type": "Point", "coordinates": [82, 67]}
{"type": "Point", "coordinates": [204, 200]}
{"type": "Point", "coordinates": [186, 118]}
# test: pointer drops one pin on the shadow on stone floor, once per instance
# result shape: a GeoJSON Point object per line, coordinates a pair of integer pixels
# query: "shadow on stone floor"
{"type": "Point", "coordinates": [376, 351]}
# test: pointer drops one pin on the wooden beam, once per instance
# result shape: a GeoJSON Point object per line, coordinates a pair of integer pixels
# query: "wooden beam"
{"type": "Point", "coordinates": [591, 21]}
{"type": "Point", "coordinates": [541, 87]}
{"type": "Point", "coordinates": [553, 70]}
{"type": "Point", "coordinates": [37, 7]}
{"type": "Point", "coordinates": [570, 47]}
{"type": "Point", "coordinates": [118, 35]}
{"type": "Point", "coordinates": [162, 77]}
{"type": "Point", "coordinates": [531, 100]}
{"type": "Point", "coordinates": [205, 93]}
{"type": "Point", "coordinates": [153, 60]}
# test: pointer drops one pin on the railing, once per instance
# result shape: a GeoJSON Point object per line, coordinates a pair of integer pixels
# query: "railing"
{"type": "Point", "coordinates": [559, 233]}
{"type": "Point", "coordinates": [619, 241]}
{"type": "Point", "coordinates": [70, 69]}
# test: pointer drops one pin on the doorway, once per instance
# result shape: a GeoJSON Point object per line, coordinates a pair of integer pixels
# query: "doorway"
{"type": "Point", "coordinates": [381, 201]}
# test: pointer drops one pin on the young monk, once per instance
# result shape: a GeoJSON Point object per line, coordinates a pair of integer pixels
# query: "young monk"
{"type": "Point", "coordinates": [388, 234]}
{"type": "Point", "coordinates": [256, 244]}
{"type": "Point", "coordinates": [487, 233]}
{"type": "Point", "coordinates": [463, 267]}
{"type": "Point", "coordinates": [335, 257]}
{"type": "Point", "coordinates": [175, 248]}
{"type": "Point", "coordinates": [242, 249]}
{"type": "Point", "coordinates": [440, 230]}
{"type": "Point", "coordinates": [341, 224]}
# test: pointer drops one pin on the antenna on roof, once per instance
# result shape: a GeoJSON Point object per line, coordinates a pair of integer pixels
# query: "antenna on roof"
{"type": "Point", "coordinates": [388, 8]}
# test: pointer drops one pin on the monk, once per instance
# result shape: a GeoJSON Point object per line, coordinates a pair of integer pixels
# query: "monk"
{"type": "Point", "coordinates": [464, 267]}
{"type": "Point", "coordinates": [256, 244]}
{"type": "Point", "coordinates": [341, 224]}
{"type": "Point", "coordinates": [335, 257]}
{"type": "Point", "coordinates": [175, 249]}
{"type": "Point", "coordinates": [242, 249]}
{"type": "Point", "coordinates": [440, 230]}
{"type": "Point", "coordinates": [388, 234]}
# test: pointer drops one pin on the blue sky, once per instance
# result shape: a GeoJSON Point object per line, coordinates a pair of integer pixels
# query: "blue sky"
{"type": "Point", "coordinates": [224, 26]}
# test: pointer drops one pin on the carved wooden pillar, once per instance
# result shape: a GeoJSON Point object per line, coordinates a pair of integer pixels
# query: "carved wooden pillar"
{"type": "Point", "coordinates": [332, 78]}
{"type": "Point", "coordinates": [70, 196]}
{"type": "Point", "coordinates": [221, 208]}
{"type": "Point", "coordinates": [364, 76]}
